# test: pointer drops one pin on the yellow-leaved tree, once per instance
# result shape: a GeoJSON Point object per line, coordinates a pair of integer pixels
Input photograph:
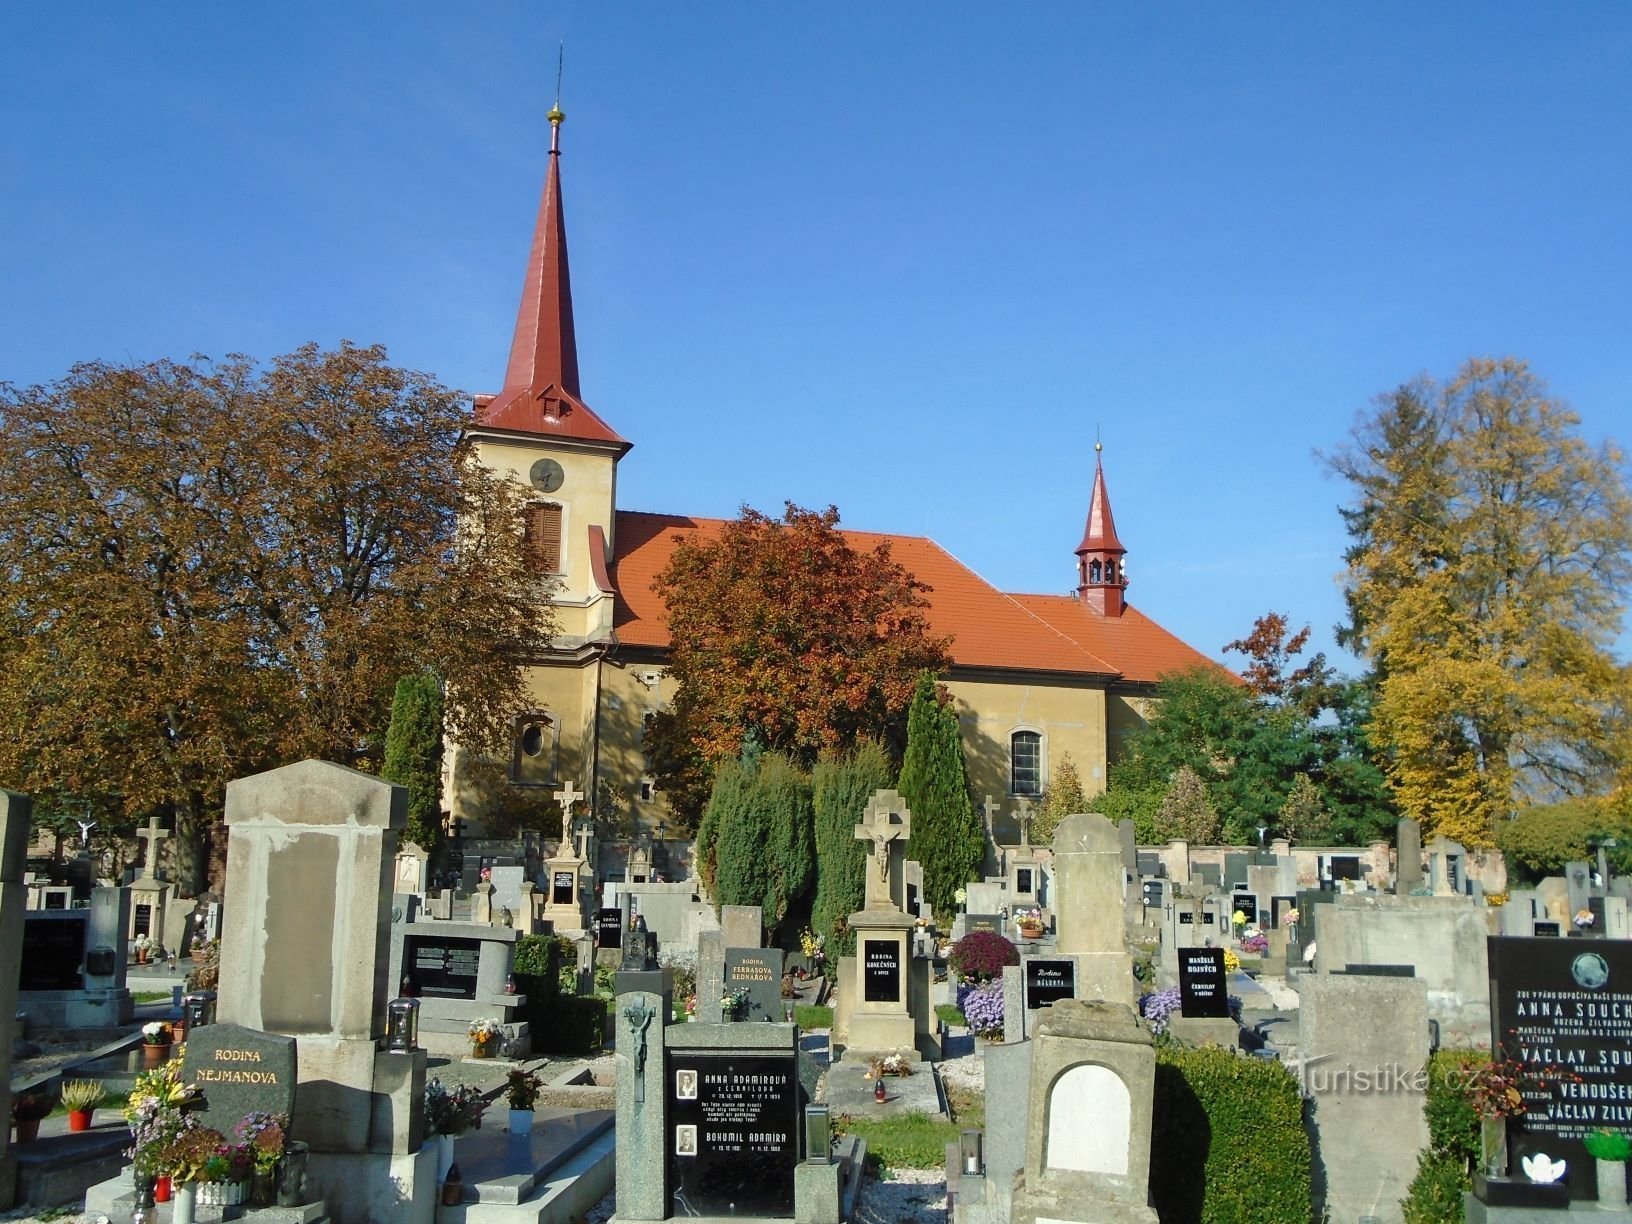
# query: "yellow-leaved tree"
{"type": "Point", "coordinates": [1486, 585]}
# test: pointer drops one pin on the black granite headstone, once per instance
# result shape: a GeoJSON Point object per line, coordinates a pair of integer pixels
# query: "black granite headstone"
{"type": "Point", "coordinates": [1023, 877]}
{"type": "Point", "coordinates": [1565, 1004]}
{"type": "Point", "coordinates": [609, 928]}
{"type": "Point", "coordinates": [1369, 970]}
{"type": "Point", "coordinates": [1344, 867]}
{"type": "Point", "coordinates": [53, 950]}
{"type": "Point", "coordinates": [1209, 874]}
{"type": "Point", "coordinates": [560, 888]}
{"type": "Point", "coordinates": [759, 972]}
{"type": "Point", "coordinates": [241, 1070]}
{"type": "Point", "coordinates": [1152, 893]}
{"type": "Point", "coordinates": [912, 899]}
{"type": "Point", "coordinates": [1247, 905]}
{"type": "Point", "coordinates": [142, 922]}
{"type": "Point", "coordinates": [881, 971]}
{"type": "Point", "coordinates": [1203, 990]}
{"type": "Point", "coordinates": [1235, 869]}
{"type": "Point", "coordinates": [1187, 917]}
{"type": "Point", "coordinates": [1049, 980]}
{"type": "Point", "coordinates": [56, 900]}
{"type": "Point", "coordinates": [733, 1138]}
{"type": "Point", "coordinates": [1149, 863]}
{"type": "Point", "coordinates": [81, 877]}
{"type": "Point", "coordinates": [442, 967]}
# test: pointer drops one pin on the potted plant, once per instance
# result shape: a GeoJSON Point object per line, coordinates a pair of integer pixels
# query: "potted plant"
{"type": "Point", "coordinates": [156, 1041]}
{"type": "Point", "coordinates": [80, 1098]}
{"type": "Point", "coordinates": [27, 1108]}
{"type": "Point", "coordinates": [157, 1112]}
{"type": "Point", "coordinates": [484, 1037]}
{"type": "Point", "coordinates": [193, 1156]}
{"type": "Point", "coordinates": [449, 1114]}
{"type": "Point", "coordinates": [144, 947]}
{"type": "Point", "coordinates": [1496, 1092]}
{"type": "Point", "coordinates": [1611, 1150]}
{"type": "Point", "coordinates": [521, 1089]}
{"type": "Point", "coordinates": [1029, 922]}
{"type": "Point", "coordinates": [262, 1136]}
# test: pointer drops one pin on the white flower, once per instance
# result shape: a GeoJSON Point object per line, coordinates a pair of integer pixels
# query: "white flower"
{"type": "Point", "coordinates": [154, 1029]}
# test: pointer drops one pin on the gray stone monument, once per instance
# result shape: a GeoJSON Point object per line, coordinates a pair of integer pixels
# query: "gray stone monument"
{"type": "Point", "coordinates": [1408, 868]}
{"type": "Point", "coordinates": [880, 1016]}
{"type": "Point", "coordinates": [307, 954]}
{"type": "Point", "coordinates": [1088, 917]}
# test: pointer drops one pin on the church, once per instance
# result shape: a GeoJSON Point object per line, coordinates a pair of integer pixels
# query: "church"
{"type": "Point", "coordinates": [1034, 677]}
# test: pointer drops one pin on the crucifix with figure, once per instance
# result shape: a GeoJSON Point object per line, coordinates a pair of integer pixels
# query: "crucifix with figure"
{"type": "Point", "coordinates": [566, 797]}
{"type": "Point", "coordinates": [888, 825]}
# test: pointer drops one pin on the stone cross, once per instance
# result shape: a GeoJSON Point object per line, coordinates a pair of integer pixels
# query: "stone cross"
{"type": "Point", "coordinates": [585, 832]}
{"type": "Point", "coordinates": [566, 797]}
{"type": "Point", "coordinates": [152, 836]}
{"type": "Point", "coordinates": [1024, 817]}
{"type": "Point", "coordinates": [988, 861]}
{"type": "Point", "coordinates": [886, 823]}
{"type": "Point", "coordinates": [990, 810]}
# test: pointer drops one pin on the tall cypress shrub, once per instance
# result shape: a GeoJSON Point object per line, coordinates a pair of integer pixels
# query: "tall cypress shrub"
{"type": "Point", "coordinates": [947, 838]}
{"type": "Point", "coordinates": [782, 794]}
{"type": "Point", "coordinates": [730, 797]}
{"type": "Point", "coordinates": [413, 755]}
{"type": "Point", "coordinates": [842, 785]}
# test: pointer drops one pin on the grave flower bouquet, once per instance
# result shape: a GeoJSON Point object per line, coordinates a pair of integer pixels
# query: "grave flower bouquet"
{"type": "Point", "coordinates": [733, 1001]}
{"type": "Point", "coordinates": [485, 1029]}
{"type": "Point", "coordinates": [1232, 962]}
{"type": "Point", "coordinates": [889, 1064]}
{"type": "Point", "coordinates": [145, 945]}
{"type": "Point", "coordinates": [983, 1010]}
{"type": "Point", "coordinates": [453, 1112]}
{"type": "Point", "coordinates": [262, 1136]}
{"type": "Point", "coordinates": [1255, 942]}
{"type": "Point", "coordinates": [981, 955]}
{"type": "Point", "coordinates": [1583, 919]}
{"type": "Point", "coordinates": [1290, 917]}
{"type": "Point", "coordinates": [521, 1089]}
{"type": "Point", "coordinates": [1238, 919]}
{"type": "Point", "coordinates": [813, 946]}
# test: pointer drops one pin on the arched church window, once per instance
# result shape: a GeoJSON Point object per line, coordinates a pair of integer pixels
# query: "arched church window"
{"type": "Point", "coordinates": [1026, 763]}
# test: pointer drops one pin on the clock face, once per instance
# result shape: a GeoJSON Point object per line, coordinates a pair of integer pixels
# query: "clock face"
{"type": "Point", "coordinates": [546, 475]}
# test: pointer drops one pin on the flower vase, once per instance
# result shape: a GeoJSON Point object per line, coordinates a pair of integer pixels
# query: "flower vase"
{"type": "Point", "coordinates": [79, 1119]}
{"type": "Point", "coordinates": [483, 1047]}
{"type": "Point", "coordinates": [292, 1175]}
{"type": "Point", "coordinates": [444, 1157]}
{"type": "Point", "coordinates": [1493, 1146]}
{"type": "Point", "coordinates": [263, 1186]}
{"type": "Point", "coordinates": [521, 1121]}
{"type": "Point", "coordinates": [1611, 1185]}
{"type": "Point", "coordinates": [186, 1203]}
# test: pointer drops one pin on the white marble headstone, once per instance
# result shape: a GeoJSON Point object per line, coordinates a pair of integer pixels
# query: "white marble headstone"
{"type": "Point", "coordinates": [1089, 1118]}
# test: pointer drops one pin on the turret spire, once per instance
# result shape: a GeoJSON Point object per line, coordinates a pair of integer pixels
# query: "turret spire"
{"type": "Point", "coordinates": [1101, 574]}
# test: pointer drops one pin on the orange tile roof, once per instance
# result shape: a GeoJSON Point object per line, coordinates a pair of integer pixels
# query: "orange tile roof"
{"type": "Point", "coordinates": [988, 628]}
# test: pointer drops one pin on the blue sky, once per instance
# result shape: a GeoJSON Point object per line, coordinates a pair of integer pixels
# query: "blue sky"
{"type": "Point", "coordinates": [905, 258]}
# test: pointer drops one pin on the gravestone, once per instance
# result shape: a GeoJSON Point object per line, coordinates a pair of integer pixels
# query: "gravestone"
{"type": "Point", "coordinates": [982, 922]}
{"type": "Point", "coordinates": [148, 893]}
{"type": "Point", "coordinates": [881, 1019]}
{"type": "Point", "coordinates": [507, 882]}
{"type": "Point", "coordinates": [1247, 906]}
{"type": "Point", "coordinates": [409, 875]}
{"type": "Point", "coordinates": [1208, 875]}
{"type": "Point", "coordinates": [1088, 919]}
{"type": "Point", "coordinates": [609, 928]}
{"type": "Point", "coordinates": [15, 813]}
{"type": "Point", "coordinates": [1049, 980]}
{"type": "Point", "coordinates": [1549, 930]}
{"type": "Point", "coordinates": [1569, 1004]}
{"type": "Point", "coordinates": [1130, 847]}
{"type": "Point", "coordinates": [1093, 1077]}
{"type": "Point", "coordinates": [1408, 865]}
{"type": "Point", "coordinates": [759, 972]}
{"type": "Point", "coordinates": [1235, 869]}
{"type": "Point", "coordinates": [1203, 986]}
{"type": "Point", "coordinates": [743, 926]}
{"type": "Point", "coordinates": [310, 856]}
{"type": "Point", "coordinates": [1446, 860]}
{"type": "Point", "coordinates": [1578, 879]}
{"type": "Point", "coordinates": [241, 1071]}
{"type": "Point", "coordinates": [53, 948]}
{"type": "Point", "coordinates": [442, 967]}
{"type": "Point", "coordinates": [731, 1140]}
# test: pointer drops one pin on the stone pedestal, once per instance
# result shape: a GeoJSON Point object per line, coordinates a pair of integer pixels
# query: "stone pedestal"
{"type": "Point", "coordinates": [564, 889]}
{"type": "Point", "coordinates": [880, 1020]}
{"type": "Point", "coordinates": [1089, 919]}
{"type": "Point", "coordinates": [1093, 1075]}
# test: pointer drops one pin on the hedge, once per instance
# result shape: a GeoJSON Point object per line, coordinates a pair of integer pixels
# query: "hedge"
{"type": "Point", "coordinates": [559, 1023]}
{"type": "Point", "coordinates": [1435, 1196]}
{"type": "Point", "coordinates": [1228, 1144]}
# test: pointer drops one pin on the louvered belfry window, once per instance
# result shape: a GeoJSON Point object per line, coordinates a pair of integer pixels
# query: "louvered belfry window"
{"type": "Point", "coordinates": [542, 536]}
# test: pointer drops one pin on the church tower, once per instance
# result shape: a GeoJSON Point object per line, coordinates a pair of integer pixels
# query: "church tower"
{"type": "Point", "coordinates": [1101, 574]}
{"type": "Point", "coordinates": [539, 432]}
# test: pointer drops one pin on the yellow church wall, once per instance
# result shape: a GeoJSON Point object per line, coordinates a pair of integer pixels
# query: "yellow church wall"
{"type": "Point", "coordinates": [1068, 714]}
{"type": "Point", "coordinates": [1126, 715]}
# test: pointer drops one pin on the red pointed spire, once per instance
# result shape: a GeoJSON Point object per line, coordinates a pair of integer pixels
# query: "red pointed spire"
{"type": "Point", "coordinates": [540, 394]}
{"type": "Point", "coordinates": [1101, 575]}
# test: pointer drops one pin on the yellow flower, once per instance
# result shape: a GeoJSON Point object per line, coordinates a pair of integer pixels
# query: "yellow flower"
{"type": "Point", "coordinates": [1232, 962]}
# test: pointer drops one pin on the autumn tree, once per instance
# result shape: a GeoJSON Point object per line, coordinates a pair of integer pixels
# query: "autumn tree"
{"type": "Point", "coordinates": [1270, 675]}
{"type": "Point", "coordinates": [842, 785]}
{"type": "Point", "coordinates": [413, 755]}
{"type": "Point", "coordinates": [786, 628]}
{"type": "Point", "coordinates": [217, 567]}
{"type": "Point", "coordinates": [1063, 798]}
{"type": "Point", "coordinates": [947, 840]}
{"type": "Point", "coordinates": [1303, 816]}
{"type": "Point", "coordinates": [1486, 583]}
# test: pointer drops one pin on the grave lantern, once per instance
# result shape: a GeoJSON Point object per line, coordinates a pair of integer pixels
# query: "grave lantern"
{"type": "Point", "coordinates": [971, 1158]}
{"type": "Point", "coordinates": [402, 1025]}
{"type": "Point", "coordinates": [198, 1008]}
{"type": "Point", "coordinates": [818, 1135]}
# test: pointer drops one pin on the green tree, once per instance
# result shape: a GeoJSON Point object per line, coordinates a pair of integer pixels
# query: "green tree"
{"type": "Point", "coordinates": [1303, 816]}
{"type": "Point", "coordinates": [1063, 798]}
{"type": "Point", "coordinates": [1487, 582]}
{"type": "Point", "coordinates": [1186, 812]}
{"type": "Point", "coordinates": [1125, 799]}
{"type": "Point", "coordinates": [842, 785]}
{"type": "Point", "coordinates": [947, 838]}
{"type": "Point", "coordinates": [782, 793]}
{"type": "Point", "coordinates": [413, 755]}
{"type": "Point", "coordinates": [217, 568]}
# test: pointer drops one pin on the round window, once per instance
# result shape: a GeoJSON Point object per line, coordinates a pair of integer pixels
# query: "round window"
{"type": "Point", "coordinates": [532, 739]}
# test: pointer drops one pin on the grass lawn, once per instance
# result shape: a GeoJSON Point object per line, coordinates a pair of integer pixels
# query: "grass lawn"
{"type": "Point", "coordinates": [808, 1016]}
{"type": "Point", "coordinates": [951, 1013]}
{"type": "Point", "coordinates": [906, 1141]}
{"type": "Point", "coordinates": [150, 996]}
